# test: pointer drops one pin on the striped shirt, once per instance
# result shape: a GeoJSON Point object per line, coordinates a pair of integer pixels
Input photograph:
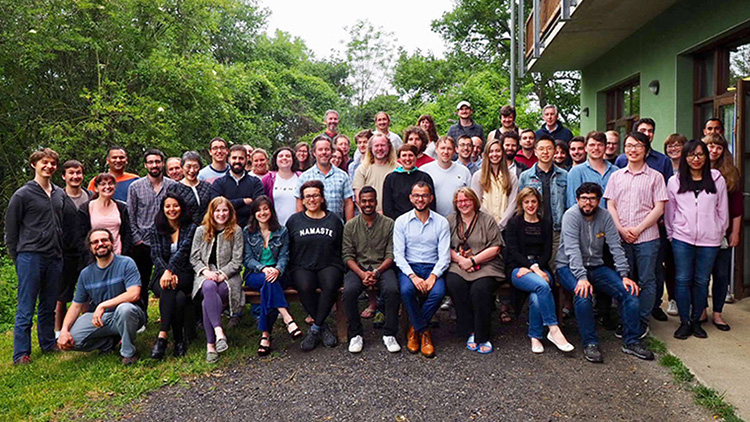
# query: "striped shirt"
{"type": "Point", "coordinates": [635, 195]}
{"type": "Point", "coordinates": [337, 187]}
{"type": "Point", "coordinates": [96, 285]}
{"type": "Point", "coordinates": [143, 204]}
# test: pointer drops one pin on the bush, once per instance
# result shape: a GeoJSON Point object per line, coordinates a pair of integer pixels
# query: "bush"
{"type": "Point", "coordinates": [8, 291]}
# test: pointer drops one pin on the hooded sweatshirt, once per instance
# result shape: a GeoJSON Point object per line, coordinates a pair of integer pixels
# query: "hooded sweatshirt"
{"type": "Point", "coordinates": [33, 221]}
{"type": "Point", "coordinates": [701, 220]}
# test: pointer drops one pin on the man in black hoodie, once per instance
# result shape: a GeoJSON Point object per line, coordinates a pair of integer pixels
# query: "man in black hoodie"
{"type": "Point", "coordinates": [33, 235]}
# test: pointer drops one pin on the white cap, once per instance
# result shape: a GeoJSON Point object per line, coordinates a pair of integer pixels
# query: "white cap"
{"type": "Point", "coordinates": [463, 103]}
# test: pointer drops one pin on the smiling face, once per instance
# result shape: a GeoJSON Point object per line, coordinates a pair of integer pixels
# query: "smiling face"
{"type": "Point", "coordinates": [420, 197]}
{"type": "Point", "coordinates": [594, 149]}
{"type": "Point", "coordinates": [634, 150]}
{"type": "Point", "coordinates": [260, 164]}
{"type": "Point", "coordinates": [237, 161]}
{"type": "Point", "coordinates": [302, 153]}
{"type": "Point", "coordinates": [587, 203]}
{"type": "Point", "coordinates": [477, 149]}
{"type": "Point", "coordinates": [696, 159]}
{"type": "Point", "coordinates": [382, 122]}
{"type": "Point", "coordinates": [100, 244]}
{"type": "Point", "coordinates": [530, 205]}
{"type": "Point", "coordinates": [117, 160]}
{"type": "Point", "coordinates": [106, 188]}
{"type": "Point", "coordinates": [73, 177]}
{"type": "Point", "coordinates": [368, 203]}
{"type": "Point", "coordinates": [425, 125]}
{"type": "Point", "coordinates": [263, 214]}
{"type": "Point", "coordinates": [332, 122]}
{"type": "Point", "coordinates": [495, 153]}
{"type": "Point", "coordinates": [560, 155]}
{"type": "Point", "coordinates": [465, 112]}
{"type": "Point", "coordinates": [577, 152]}
{"type": "Point", "coordinates": [674, 150]}
{"type": "Point", "coordinates": [312, 199]}
{"type": "Point", "coordinates": [408, 159]}
{"type": "Point", "coordinates": [190, 169]}
{"type": "Point", "coordinates": [714, 151]}
{"type": "Point", "coordinates": [284, 160]}
{"type": "Point", "coordinates": [613, 145]}
{"type": "Point", "coordinates": [510, 146]}
{"type": "Point", "coordinates": [545, 150]}
{"type": "Point", "coordinates": [342, 144]}
{"type": "Point", "coordinates": [415, 140]}
{"type": "Point", "coordinates": [465, 147]}
{"type": "Point", "coordinates": [174, 170]}
{"type": "Point", "coordinates": [218, 151]}
{"type": "Point", "coordinates": [464, 204]}
{"type": "Point", "coordinates": [508, 122]}
{"type": "Point", "coordinates": [713, 126]}
{"type": "Point", "coordinates": [336, 158]}
{"type": "Point", "coordinates": [154, 165]}
{"type": "Point", "coordinates": [221, 215]}
{"type": "Point", "coordinates": [380, 147]}
{"type": "Point", "coordinates": [322, 152]}
{"type": "Point", "coordinates": [172, 210]}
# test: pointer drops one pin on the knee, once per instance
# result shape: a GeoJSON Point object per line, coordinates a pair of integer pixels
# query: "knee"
{"type": "Point", "coordinates": [126, 310]}
{"type": "Point", "coordinates": [208, 287]}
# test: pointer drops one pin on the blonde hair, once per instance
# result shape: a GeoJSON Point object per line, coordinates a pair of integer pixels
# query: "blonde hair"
{"type": "Point", "coordinates": [370, 157]}
{"type": "Point", "coordinates": [209, 225]}
{"type": "Point", "coordinates": [486, 174]}
{"type": "Point", "coordinates": [724, 163]}
{"type": "Point", "coordinates": [525, 193]}
{"type": "Point", "coordinates": [469, 192]}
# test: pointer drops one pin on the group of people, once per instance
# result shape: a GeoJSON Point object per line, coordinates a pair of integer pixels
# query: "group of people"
{"type": "Point", "coordinates": [408, 221]}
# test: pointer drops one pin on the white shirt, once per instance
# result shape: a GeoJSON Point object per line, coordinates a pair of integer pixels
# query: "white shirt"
{"type": "Point", "coordinates": [447, 182]}
{"type": "Point", "coordinates": [284, 201]}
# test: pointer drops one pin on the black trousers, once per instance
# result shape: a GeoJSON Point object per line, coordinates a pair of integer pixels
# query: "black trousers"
{"type": "Point", "coordinates": [141, 254]}
{"type": "Point", "coordinates": [389, 291]}
{"type": "Point", "coordinates": [175, 305]}
{"type": "Point", "coordinates": [328, 280]}
{"type": "Point", "coordinates": [473, 301]}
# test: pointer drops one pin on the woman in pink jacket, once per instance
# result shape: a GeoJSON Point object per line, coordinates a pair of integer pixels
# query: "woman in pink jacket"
{"type": "Point", "coordinates": [696, 219]}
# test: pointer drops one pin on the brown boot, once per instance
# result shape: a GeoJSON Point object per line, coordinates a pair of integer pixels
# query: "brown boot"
{"type": "Point", "coordinates": [412, 341]}
{"type": "Point", "coordinates": [428, 350]}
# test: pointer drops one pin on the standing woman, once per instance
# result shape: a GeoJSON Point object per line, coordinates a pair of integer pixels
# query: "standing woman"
{"type": "Point", "coordinates": [266, 258]}
{"type": "Point", "coordinates": [302, 152]}
{"type": "Point", "coordinates": [107, 212]}
{"type": "Point", "coordinates": [721, 159]}
{"type": "Point", "coordinates": [475, 270]}
{"type": "Point", "coordinates": [495, 185]}
{"type": "Point", "coordinates": [529, 249]}
{"type": "Point", "coordinates": [171, 239]}
{"type": "Point", "coordinates": [216, 257]}
{"type": "Point", "coordinates": [196, 193]}
{"type": "Point", "coordinates": [673, 149]}
{"type": "Point", "coordinates": [281, 182]}
{"type": "Point", "coordinates": [427, 123]}
{"type": "Point", "coordinates": [315, 255]}
{"type": "Point", "coordinates": [696, 220]}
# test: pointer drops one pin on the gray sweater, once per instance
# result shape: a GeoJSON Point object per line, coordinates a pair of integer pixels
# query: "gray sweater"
{"type": "Point", "coordinates": [582, 242]}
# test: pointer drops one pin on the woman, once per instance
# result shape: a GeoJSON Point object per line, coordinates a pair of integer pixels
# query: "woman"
{"type": "Point", "coordinates": [495, 185]}
{"type": "Point", "coordinates": [673, 149]}
{"type": "Point", "coordinates": [342, 144]}
{"type": "Point", "coordinates": [529, 249]}
{"type": "Point", "coordinates": [217, 260]}
{"type": "Point", "coordinates": [105, 211]}
{"type": "Point", "coordinates": [475, 270]}
{"type": "Point", "coordinates": [302, 152]}
{"type": "Point", "coordinates": [336, 158]}
{"type": "Point", "coordinates": [259, 162]}
{"type": "Point", "coordinates": [266, 257]}
{"type": "Point", "coordinates": [315, 254]}
{"type": "Point", "coordinates": [196, 193]}
{"type": "Point", "coordinates": [427, 123]}
{"type": "Point", "coordinates": [721, 159]}
{"type": "Point", "coordinates": [281, 182]}
{"type": "Point", "coordinates": [696, 219]}
{"type": "Point", "coordinates": [171, 239]}
{"type": "Point", "coordinates": [562, 155]}
{"type": "Point", "coordinates": [397, 185]}
{"type": "Point", "coordinates": [416, 136]}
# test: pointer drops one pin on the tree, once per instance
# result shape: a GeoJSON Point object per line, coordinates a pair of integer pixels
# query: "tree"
{"type": "Point", "coordinates": [369, 54]}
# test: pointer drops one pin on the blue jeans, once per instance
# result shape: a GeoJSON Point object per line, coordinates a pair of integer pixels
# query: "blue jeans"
{"type": "Point", "coordinates": [38, 277]}
{"type": "Point", "coordinates": [120, 323]}
{"type": "Point", "coordinates": [609, 282]}
{"type": "Point", "coordinates": [541, 301]}
{"type": "Point", "coordinates": [642, 259]}
{"type": "Point", "coordinates": [693, 265]}
{"type": "Point", "coordinates": [722, 277]}
{"type": "Point", "coordinates": [420, 316]}
{"type": "Point", "coordinates": [271, 298]}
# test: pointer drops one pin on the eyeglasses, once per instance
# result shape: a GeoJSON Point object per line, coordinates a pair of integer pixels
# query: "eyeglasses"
{"type": "Point", "coordinates": [98, 241]}
{"type": "Point", "coordinates": [421, 195]}
{"type": "Point", "coordinates": [696, 156]}
{"type": "Point", "coordinates": [313, 196]}
{"type": "Point", "coordinates": [674, 146]}
{"type": "Point", "coordinates": [589, 199]}
{"type": "Point", "coordinates": [464, 201]}
{"type": "Point", "coordinates": [637, 147]}
{"type": "Point", "coordinates": [153, 162]}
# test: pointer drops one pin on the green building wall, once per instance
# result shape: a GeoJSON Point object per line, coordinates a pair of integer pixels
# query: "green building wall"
{"type": "Point", "coordinates": [660, 51]}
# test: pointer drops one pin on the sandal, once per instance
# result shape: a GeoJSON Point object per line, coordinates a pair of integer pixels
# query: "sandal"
{"type": "Point", "coordinates": [471, 344]}
{"type": "Point", "coordinates": [293, 330]}
{"type": "Point", "coordinates": [485, 348]}
{"type": "Point", "coordinates": [264, 350]}
{"type": "Point", "coordinates": [368, 313]}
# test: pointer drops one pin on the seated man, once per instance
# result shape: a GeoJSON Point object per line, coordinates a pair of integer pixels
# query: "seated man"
{"type": "Point", "coordinates": [368, 253]}
{"type": "Point", "coordinates": [112, 285]}
{"type": "Point", "coordinates": [580, 269]}
{"type": "Point", "coordinates": [421, 249]}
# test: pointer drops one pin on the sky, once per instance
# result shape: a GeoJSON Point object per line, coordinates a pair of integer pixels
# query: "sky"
{"type": "Point", "coordinates": [320, 23]}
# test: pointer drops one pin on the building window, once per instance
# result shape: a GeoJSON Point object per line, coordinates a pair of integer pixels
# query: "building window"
{"type": "Point", "coordinates": [624, 106]}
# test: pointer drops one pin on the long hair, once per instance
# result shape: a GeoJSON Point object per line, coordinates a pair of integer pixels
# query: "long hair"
{"type": "Point", "coordinates": [304, 165]}
{"type": "Point", "coordinates": [421, 133]}
{"type": "Point", "coordinates": [724, 163]}
{"type": "Point", "coordinates": [209, 225]}
{"type": "Point", "coordinates": [432, 132]}
{"type": "Point", "coordinates": [162, 223]}
{"type": "Point", "coordinates": [488, 174]}
{"type": "Point", "coordinates": [567, 162]}
{"type": "Point", "coordinates": [370, 157]}
{"type": "Point", "coordinates": [525, 193]}
{"type": "Point", "coordinates": [685, 178]}
{"type": "Point", "coordinates": [295, 162]}
{"type": "Point", "coordinates": [252, 224]}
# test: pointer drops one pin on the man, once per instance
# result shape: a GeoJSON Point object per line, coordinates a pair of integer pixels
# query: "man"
{"type": "Point", "coordinates": [174, 169]}
{"type": "Point", "coordinates": [332, 124]}
{"type": "Point", "coordinates": [465, 125]}
{"type": "Point", "coordinates": [552, 125]}
{"type": "Point", "coordinates": [382, 125]}
{"type": "Point", "coordinates": [507, 123]}
{"type": "Point", "coordinates": [477, 150]}
{"type": "Point", "coordinates": [446, 175]}
{"type": "Point", "coordinates": [368, 253]}
{"type": "Point", "coordinates": [144, 199]}
{"type": "Point", "coordinates": [337, 185]}
{"type": "Point", "coordinates": [613, 146]}
{"type": "Point", "coordinates": [595, 169]}
{"type": "Point", "coordinates": [217, 149]}
{"type": "Point", "coordinates": [421, 247]}
{"type": "Point", "coordinates": [510, 142]}
{"type": "Point", "coordinates": [465, 147]}
{"type": "Point", "coordinates": [111, 286]}
{"type": "Point", "coordinates": [73, 173]}
{"type": "Point", "coordinates": [379, 162]}
{"type": "Point", "coordinates": [654, 159]}
{"type": "Point", "coordinates": [258, 161]}
{"type": "Point", "coordinates": [581, 269]}
{"type": "Point", "coordinates": [238, 186]}
{"type": "Point", "coordinates": [713, 125]}
{"type": "Point", "coordinates": [550, 181]}
{"type": "Point", "coordinates": [117, 161]}
{"type": "Point", "coordinates": [33, 236]}
{"type": "Point", "coordinates": [526, 155]}
{"type": "Point", "coordinates": [636, 196]}
{"type": "Point", "coordinates": [577, 149]}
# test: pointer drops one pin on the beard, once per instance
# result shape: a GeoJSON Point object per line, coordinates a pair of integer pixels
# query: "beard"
{"type": "Point", "coordinates": [155, 172]}
{"type": "Point", "coordinates": [588, 213]}
{"type": "Point", "coordinates": [103, 252]}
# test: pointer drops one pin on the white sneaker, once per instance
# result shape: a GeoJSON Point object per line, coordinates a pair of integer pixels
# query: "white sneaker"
{"type": "Point", "coordinates": [447, 304]}
{"type": "Point", "coordinates": [355, 344]}
{"type": "Point", "coordinates": [391, 344]}
{"type": "Point", "coordinates": [142, 329]}
{"type": "Point", "coordinates": [672, 308]}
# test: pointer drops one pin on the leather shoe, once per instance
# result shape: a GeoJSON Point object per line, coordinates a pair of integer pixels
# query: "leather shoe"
{"type": "Point", "coordinates": [160, 348]}
{"type": "Point", "coordinates": [412, 341]}
{"type": "Point", "coordinates": [722, 327]}
{"type": "Point", "coordinates": [428, 350]}
{"type": "Point", "coordinates": [180, 349]}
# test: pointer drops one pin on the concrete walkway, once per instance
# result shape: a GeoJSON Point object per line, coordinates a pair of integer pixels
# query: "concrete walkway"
{"type": "Point", "coordinates": [722, 361]}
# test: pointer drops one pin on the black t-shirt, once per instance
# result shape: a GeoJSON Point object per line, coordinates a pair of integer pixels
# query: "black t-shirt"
{"type": "Point", "coordinates": [695, 186]}
{"type": "Point", "coordinates": [315, 243]}
{"type": "Point", "coordinates": [534, 238]}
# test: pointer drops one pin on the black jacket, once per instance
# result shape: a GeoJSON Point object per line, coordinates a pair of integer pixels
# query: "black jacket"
{"type": "Point", "coordinates": [33, 221]}
{"type": "Point", "coordinates": [516, 255]}
{"type": "Point", "coordinates": [247, 187]}
{"type": "Point", "coordinates": [161, 254]}
{"type": "Point", "coordinates": [396, 190]}
{"type": "Point", "coordinates": [84, 225]}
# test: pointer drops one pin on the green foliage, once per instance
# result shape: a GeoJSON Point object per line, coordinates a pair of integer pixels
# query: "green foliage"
{"type": "Point", "coordinates": [8, 291]}
{"type": "Point", "coordinates": [370, 55]}
{"type": "Point", "coordinates": [680, 372]}
{"type": "Point", "coordinates": [713, 401]}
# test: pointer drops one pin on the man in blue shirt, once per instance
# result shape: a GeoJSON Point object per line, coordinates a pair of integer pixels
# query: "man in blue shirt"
{"type": "Point", "coordinates": [421, 249]}
{"type": "Point", "coordinates": [596, 169]}
{"type": "Point", "coordinates": [112, 287]}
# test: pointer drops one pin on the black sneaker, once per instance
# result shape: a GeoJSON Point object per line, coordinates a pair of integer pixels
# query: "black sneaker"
{"type": "Point", "coordinates": [684, 331]}
{"type": "Point", "coordinates": [329, 339]}
{"type": "Point", "coordinates": [698, 330]}
{"type": "Point", "coordinates": [659, 315]}
{"type": "Point", "coordinates": [592, 353]}
{"type": "Point", "coordinates": [638, 350]}
{"type": "Point", "coordinates": [310, 341]}
{"type": "Point", "coordinates": [618, 331]}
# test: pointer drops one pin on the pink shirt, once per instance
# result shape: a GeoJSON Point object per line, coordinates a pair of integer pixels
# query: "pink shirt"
{"type": "Point", "coordinates": [110, 221]}
{"type": "Point", "coordinates": [635, 194]}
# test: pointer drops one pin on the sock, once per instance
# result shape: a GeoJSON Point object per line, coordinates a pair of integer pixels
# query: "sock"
{"type": "Point", "coordinates": [315, 328]}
